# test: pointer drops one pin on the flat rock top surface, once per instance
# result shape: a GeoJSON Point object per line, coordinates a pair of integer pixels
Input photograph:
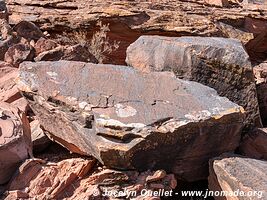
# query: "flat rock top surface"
{"type": "Point", "coordinates": [122, 93]}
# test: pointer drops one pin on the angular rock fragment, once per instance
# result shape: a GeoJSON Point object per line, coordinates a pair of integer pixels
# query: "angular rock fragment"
{"type": "Point", "coordinates": [130, 120]}
{"type": "Point", "coordinates": [44, 45]}
{"type": "Point", "coordinates": [6, 43]}
{"type": "Point", "coordinates": [21, 104]}
{"type": "Point", "coordinates": [254, 144]}
{"type": "Point", "coordinates": [47, 180]}
{"type": "Point", "coordinates": [39, 140]}
{"type": "Point", "coordinates": [220, 63]}
{"type": "Point", "coordinates": [221, 3]}
{"type": "Point", "coordinates": [235, 33]}
{"type": "Point", "coordinates": [260, 72]}
{"type": "Point", "coordinates": [19, 53]}
{"type": "Point", "coordinates": [15, 140]}
{"type": "Point", "coordinates": [8, 88]}
{"type": "Point", "coordinates": [70, 179]}
{"type": "Point", "coordinates": [28, 30]}
{"type": "Point", "coordinates": [3, 10]}
{"type": "Point", "coordinates": [239, 178]}
{"type": "Point", "coordinates": [5, 29]}
{"type": "Point", "coordinates": [72, 53]}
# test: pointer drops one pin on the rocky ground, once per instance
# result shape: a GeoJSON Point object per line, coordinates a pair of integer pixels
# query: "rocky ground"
{"type": "Point", "coordinates": [133, 99]}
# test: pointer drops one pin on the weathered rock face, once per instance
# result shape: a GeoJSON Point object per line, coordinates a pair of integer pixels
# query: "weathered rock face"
{"type": "Point", "coordinates": [47, 180]}
{"type": "Point", "coordinates": [222, 3]}
{"type": "Point", "coordinates": [5, 44]}
{"type": "Point", "coordinates": [254, 144]}
{"type": "Point", "coordinates": [131, 120]}
{"type": "Point", "coordinates": [15, 140]}
{"type": "Point", "coordinates": [260, 73]}
{"type": "Point", "coordinates": [130, 19]}
{"type": "Point", "coordinates": [8, 88]}
{"type": "Point", "coordinates": [220, 63]}
{"type": "Point", "coordinates": [234, 173]}
{"type": "Point", "coordinates": [28, 30]}
{"type": "Point", "coordinates": [18, 53]}
{"type": "Point", "coordinates": [44, 45]}
{"type": "Point", "coordinates": [3, 10]}
{"type": "Point", "coordinates": [72, 53]}
{"type": "Point", "coordinates": [68, 179]}
{"type": "Point", "coordinates": [39, 140]}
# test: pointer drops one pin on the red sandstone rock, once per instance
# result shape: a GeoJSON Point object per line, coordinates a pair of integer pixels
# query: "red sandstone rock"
{"type": "Point", "coordinates": [254, 143]}
{"type": "Point", "coordinates": [15, 140]}
{"type": "Point", "coordinates": [72, 53]}
{"type": "Point", "coordinates": [231, 173]}
{"type": "Point", "coordinates": [220, 63]}
{"type": "Point", "coordinates": [260, 73]}
{"type": "Point", "coordinates": [221, 3]}
{"type": "Point", "coordinates": [22, 104]}
{"type": "Point", "coordinates": [130, 19]}
{"type": "Point", "coordinates": [3, 10]}
{"type": "Point", "coordinates": [130, 120]}
{"type": "Point", "coordinates": [8, 88]}
{"type": "Point", "coordinates": [43, 45]}
{"type": "Point", "coordinates": [39, 139]}
{"type": "Point", "coordinates": [5, 29]}
{"type": "Point", "coordinates": [73, 179]}
{"type": "Point", "coordinates": [48, 180]}
{"type": "Point", "coordinates": [28, 30]}
{"type": "Point", "coordinates": [18, 53]}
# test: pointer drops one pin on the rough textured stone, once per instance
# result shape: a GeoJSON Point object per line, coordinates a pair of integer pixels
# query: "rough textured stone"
{"type": "Point", "coordinates": [28, 30]}
{"type": "Point", "coordinates": [8, 88]}
{"type": "Point", "coordinates": [39, 140]}
{"type": "Point", "coordinates": [220, 63]}
{"type": "Point", "coordinates": [44, 45]}
{"type": "Point", "coordinates": [70, 179]}
{"type": "Point", "coordinates": [5, 44]}
{"type": "Point", "coordinates": [222, 3]}
{"type": "Point", "coordinates": [72, 53]}
{"type": "Point", "coordinates": [18, 53]}
{"type": "Point", "coordinates": [3, 10]}
{"type": "Point", "coordinates": [130, 19]}
{"type": "Point", "coordinates": [126, 119]}
{"type": "Point", "coordinates": [21, 104]}
{"type": "Point", "coordinates": [47, 180]}
{"type": "Point", "coordinates": [254, 144]}
{"type": "Point", "coordinates": [233, 173]}
{"type": "Point", "coordinates": [260, 72]}
{"type": "Point", "coordinates": [5, 29]}
{"type": "Point", "coordinates": [15, 140]}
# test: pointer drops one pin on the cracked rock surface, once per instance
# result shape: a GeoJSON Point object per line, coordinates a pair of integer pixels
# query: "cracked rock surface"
{"type": "Point", "coordinates": [15, 140]}
{"type": "Point", "coordinates": [131, 120]}
{"type": "Point", "coordinates": [130, 19]}
{"type": "Point", "coordinates": [220, 63]}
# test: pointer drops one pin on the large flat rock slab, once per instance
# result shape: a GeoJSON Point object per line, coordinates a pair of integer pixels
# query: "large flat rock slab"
{"type": "Point", "coordinates": [15, 140]}
{"type": "Point", "coordinates": [239, 177]}
{"type": "Point", "coordinates": [220, 63]}
{"type": "Point", "coordinates": [130, 120]}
